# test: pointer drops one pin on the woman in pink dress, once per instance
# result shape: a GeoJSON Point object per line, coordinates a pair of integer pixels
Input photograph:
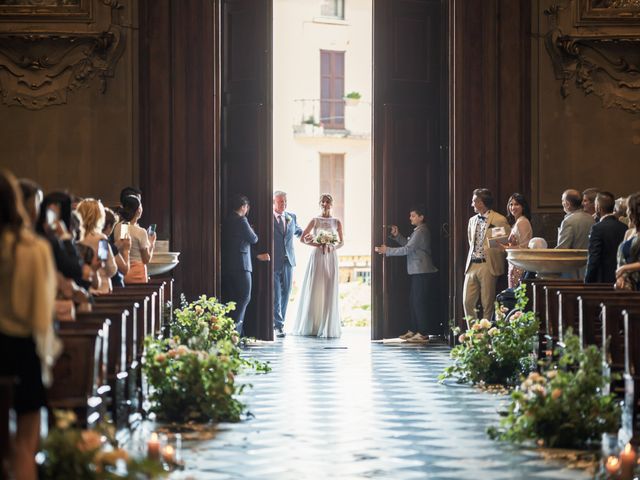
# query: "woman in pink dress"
{"type": "Point", "coordinates": [519, 216]}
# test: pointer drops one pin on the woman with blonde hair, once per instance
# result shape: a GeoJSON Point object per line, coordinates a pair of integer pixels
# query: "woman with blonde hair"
{"type": "Point", "coordinates": [318, 310]}
{"type": "Point", "coordinates": [92, 214]}
{"type": "Point", "coordinates": [27, 342]}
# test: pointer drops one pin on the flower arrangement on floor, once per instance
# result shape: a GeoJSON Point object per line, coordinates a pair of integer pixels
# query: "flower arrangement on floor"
{"type": "Point", "coordinates": [192, 373]}
{"type": "Point", "coordinates": [496, 353]}
{"type": "Point", "coordinates": [69, 453]}
{"type": "Point", "coordinates": [564, 405]}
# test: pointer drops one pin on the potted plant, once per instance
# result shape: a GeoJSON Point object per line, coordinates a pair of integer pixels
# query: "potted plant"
{"type": "Point", "coordinates": [352, 98]}
{"type": "Point", "coordinates": [309, 124]}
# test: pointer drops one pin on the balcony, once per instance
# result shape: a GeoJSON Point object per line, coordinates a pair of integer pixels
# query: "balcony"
{"type": "Point", "coordinates": [339, 118]}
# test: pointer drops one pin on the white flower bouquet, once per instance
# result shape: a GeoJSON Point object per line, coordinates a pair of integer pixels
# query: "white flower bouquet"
{"type": "Point", "coordinates": [325, 237]}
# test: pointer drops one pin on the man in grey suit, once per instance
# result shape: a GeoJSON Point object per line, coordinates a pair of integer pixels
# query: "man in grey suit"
{"type": "Point", "coordinates": [285, 227]}
{"type": "Point", "coordinates": [575, 227]}
{"type": "Point", "coordinates": [420, 268]}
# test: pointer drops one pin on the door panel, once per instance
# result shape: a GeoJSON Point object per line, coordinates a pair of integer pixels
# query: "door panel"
{"type": "Point", "coordinates": [408, 166]}
{"type": "Point", "coordinates": [246, 137]}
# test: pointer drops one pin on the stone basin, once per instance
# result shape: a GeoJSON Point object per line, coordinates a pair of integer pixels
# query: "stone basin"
{"type": "Point", "coordinates": [162, 262]}
{"type": "Point", "coordinates": [547, 262]}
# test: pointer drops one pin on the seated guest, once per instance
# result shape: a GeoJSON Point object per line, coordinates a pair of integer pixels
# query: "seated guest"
{"type": "Point", "coordinates": [120, 247]}
{"type": "Point", "coordinates": [142, 244]}
{"type": "Point", "coordinates": [604, 239]}
{"type": "Point", "coordinates": [535, 242]}
{"type": "Point", "coordinates": [31, 199]}
{"type": "Point", "coordinates": [575, 227]}
{"type": "Point", "coordinates": [519, 217]}
{"type": "Point", "coordinates": [27, 293]}
{"type": "Point", "coordinates": [628, 272]}
{"type": "Point", "coordinates": [92, 213]}
{"type": "Point", "coordinates": [55, 224]}
{"type": "Point", "coordinates": [589, 202]}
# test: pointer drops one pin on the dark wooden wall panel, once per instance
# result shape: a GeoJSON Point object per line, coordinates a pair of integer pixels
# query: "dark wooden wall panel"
{"type": "Point", "coordinates": [490, 109]}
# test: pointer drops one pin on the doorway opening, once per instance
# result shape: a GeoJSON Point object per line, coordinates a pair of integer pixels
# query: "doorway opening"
{"type": "Point", "coordinates": [322, 123]}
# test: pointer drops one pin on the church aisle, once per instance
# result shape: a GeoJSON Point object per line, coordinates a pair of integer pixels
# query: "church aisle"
{"type": "Point", "coordinates": [351, 409]}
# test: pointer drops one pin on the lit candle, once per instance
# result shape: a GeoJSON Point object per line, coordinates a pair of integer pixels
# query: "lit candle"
{"type": "Point", "coordinates": [169, 455]}
{"type": "Point", "coordinates": [628, 462]}
{"type": "Point", "coordinates": [613, 465]}
{"type": "Point", "coordinates": [153, 447]}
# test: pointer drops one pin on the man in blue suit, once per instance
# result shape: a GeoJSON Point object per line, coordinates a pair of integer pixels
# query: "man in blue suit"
{"type": "Point", "coordinates": [285, 227]}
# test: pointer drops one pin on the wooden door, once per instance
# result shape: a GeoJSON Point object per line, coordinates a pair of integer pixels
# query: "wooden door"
{"type": "Point", "coordinates": [410, 162]}
{"type": "Point", "coordinates": [246, 146]}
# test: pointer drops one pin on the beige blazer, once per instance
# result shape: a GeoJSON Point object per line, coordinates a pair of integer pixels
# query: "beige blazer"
{"type": "Point", "coordinates": [496, 257]}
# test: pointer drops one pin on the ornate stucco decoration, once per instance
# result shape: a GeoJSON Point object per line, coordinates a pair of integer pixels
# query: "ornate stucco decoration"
{"type": "Point", "coordinates": [595, 45]}
{"type": "Point", "coordinates": [45, 54]}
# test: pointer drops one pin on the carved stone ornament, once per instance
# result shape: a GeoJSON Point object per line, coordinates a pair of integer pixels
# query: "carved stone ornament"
{"type": "Point", "coordinates": [604, 61]}
{"type": "Point", "coordinates": [40, 63]}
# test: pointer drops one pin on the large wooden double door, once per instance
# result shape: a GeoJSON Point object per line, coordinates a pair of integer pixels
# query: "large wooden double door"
{"type": "Point", "coordinates": [410, 161]}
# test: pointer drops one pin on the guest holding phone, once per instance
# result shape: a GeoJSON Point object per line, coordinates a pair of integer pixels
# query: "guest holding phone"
{"type": "Point", "coordinates": [119, 246]}
{"type": "Point", "coordinates": [142, 243]}
{"type": "Point", "coordinates": [93, 217]}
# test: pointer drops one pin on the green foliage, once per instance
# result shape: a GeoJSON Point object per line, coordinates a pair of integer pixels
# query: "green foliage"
{"type": "Point", "coordinates": [69, 453]}
{"type": "Point", "coordinates": [497, 353]}
{"type": "Point", "coordinates": [564, 406]}
{"type": "Point", "coordinates": [192, 374]}
{"type": "Point", "coordinates": [353, 95]}
{"type": "Point", "coordinates": [201, 324]}
{"type": "Point", "coordinates": [193, 384]}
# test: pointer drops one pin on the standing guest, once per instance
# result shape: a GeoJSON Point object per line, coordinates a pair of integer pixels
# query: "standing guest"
{"type": "Point", "coordinates": [130, 191]}
{"type": "Point", "coordinates": [120, 247]}
{"type": "Point", "coordinates": [604, 239]}
{"type": "Point", "coordinates": [27, 293]}
{"type": "Point", "coordinates": [56, 223]}
{"type": "Point", "coordinates": [589, 202]}
{"type": "Point", "coordinates": [519, 217]}
{"type": "Point", "coordinates": [237, 238]}
{"type": "Point", "coordinates": [421, 270]}
{"type": "Point", "coordinates": [31, 198]}
{"type": "Point", "coordinates": [484, 264]}
{"type": "Point", "coordinates": [285, 227]}
{"type": "Point", "coordinates": [620, 210]}
{"type": "Point", "coordinates": [574, 229]}
{"type": "Point", "coordinates": [628, 272]}
{"type": "Point", "coordinates": [92, 213]}
{"type": "Point", "coordinates": [142, 243]}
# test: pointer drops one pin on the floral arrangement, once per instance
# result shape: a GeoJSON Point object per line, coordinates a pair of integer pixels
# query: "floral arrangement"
{"type": "Point", "coordinates": [496, 353]}
{"type": "Point", "coordinates": [192, 373]}
{"type": "Point", "coordinates": [69, 452]}
{"type": "Point", "coordinates": [193, 385]}
{"type": "Point", "coordinates": [564, 405]}
{"type": "Point", "coordinates": [325, 237]}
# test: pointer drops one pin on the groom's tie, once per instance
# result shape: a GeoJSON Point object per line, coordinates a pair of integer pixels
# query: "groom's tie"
{"type": "Point", "coordinates": [281, 224]}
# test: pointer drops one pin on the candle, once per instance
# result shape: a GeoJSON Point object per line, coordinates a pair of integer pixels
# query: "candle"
{"type": "Point", "coordinates": [613, 465]}
{"type": "Point", "coordinates": [153, 447]}
{"type": "Point", "coordinates": [169, 455]}
{"type": "Point", "coordinates": [628, 462]}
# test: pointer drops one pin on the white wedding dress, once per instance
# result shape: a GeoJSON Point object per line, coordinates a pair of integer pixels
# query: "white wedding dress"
{"type": "Point", "coordinates": [318, 309]}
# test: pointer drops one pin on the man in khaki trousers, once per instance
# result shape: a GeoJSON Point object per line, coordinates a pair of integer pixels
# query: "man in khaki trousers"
{"type": "Point", "coordinates": [484, 264]}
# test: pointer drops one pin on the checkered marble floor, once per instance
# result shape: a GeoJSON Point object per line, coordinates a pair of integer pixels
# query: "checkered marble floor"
{"type": "Point", "coordinates": [352, 409]}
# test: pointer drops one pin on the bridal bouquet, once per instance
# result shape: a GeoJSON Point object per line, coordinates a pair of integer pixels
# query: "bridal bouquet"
{"type": "Point", "coordinates": [325, 237]}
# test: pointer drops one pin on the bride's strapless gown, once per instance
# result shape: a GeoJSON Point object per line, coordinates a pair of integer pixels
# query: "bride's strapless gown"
{"type": "Point", "coordinates": [318, 309]}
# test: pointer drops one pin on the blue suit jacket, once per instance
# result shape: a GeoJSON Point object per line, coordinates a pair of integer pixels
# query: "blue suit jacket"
{"type": "Point", "coordinates": [237, 238]}
{"type": "Point", "coordinates": [283, 241]}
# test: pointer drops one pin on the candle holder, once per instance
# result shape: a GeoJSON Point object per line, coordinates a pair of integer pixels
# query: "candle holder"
{"type": "Point", "coordinates": [172, 452]}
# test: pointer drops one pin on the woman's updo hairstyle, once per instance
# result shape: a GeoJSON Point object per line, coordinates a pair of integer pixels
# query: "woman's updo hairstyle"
{"type": "Point", "coordinates": [327, 197]}
{"type": "Point", "coordinates": [130, 206]}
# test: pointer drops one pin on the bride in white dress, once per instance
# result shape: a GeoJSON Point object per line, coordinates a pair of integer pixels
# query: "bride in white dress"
{"type": "Point", "coordinates": [318, 310]}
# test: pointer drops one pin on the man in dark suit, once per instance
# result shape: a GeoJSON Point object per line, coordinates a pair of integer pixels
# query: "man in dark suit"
{"type": "Point", "coordinates": [285, 227]}
{"type": "Point", "coordinates": [604, 239]}
{"type": "Point", "coordinates": [237, 238]}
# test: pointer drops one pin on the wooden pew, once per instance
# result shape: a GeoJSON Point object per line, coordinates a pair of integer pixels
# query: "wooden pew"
{"type": "Point", "coordinates": [563, 313]}
{"type": "Point", "coordinates": [117, 358]}
{"type": "Point", "coordinates": [151, 326]}
{"type": "Point", "coordinates": [6, 404]}
{"type": "Point", "coordinates": [631, 409]}
{"type": "Point", "coordinates": [77, 378]}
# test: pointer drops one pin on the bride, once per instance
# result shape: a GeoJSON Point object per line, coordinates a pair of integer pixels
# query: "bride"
{"type": "Point", "coordinates": [318, 312]}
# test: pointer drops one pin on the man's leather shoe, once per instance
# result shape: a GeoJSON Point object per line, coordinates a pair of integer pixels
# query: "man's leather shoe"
{"type": "Point", "coordinates": [280, 333]}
